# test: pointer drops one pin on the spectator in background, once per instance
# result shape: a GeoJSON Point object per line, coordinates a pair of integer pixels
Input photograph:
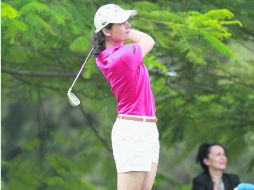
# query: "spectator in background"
{"type": "Point", "coordinates": [213, 160]}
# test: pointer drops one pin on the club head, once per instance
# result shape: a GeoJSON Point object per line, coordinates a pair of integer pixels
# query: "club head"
{"type": "Point", "coordinates": [74, 101]}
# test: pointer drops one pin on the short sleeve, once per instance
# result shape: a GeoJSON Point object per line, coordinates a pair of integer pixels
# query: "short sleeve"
{"type": "Point", "coordinates": [132, 55]}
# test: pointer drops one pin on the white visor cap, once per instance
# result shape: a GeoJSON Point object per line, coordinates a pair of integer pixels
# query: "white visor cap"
{"type": "Point", "coordinates": [111, 13]}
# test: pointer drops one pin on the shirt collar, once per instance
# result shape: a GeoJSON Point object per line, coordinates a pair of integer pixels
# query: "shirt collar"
{"type": "Point", "coordinates": [105, 53]}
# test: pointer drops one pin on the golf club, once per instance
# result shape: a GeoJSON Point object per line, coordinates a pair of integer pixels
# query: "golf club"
{"type": "Point", "coordinates": [74, 101]}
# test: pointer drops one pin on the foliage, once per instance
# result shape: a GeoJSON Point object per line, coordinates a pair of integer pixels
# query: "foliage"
{"type": "Point", "coordinates": [189, 32]}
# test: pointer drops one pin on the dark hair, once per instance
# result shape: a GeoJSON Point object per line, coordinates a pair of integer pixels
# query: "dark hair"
{"type": "Point", "coordinates": [99, 41]}
{"type": "Point", "coordinates": [204, 151]}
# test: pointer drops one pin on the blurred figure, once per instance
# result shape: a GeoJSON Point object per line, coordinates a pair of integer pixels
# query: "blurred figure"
{"type": "Point", "coordinates": [213, 160]}
{"type": "Point", "coordinates": [245, 186]}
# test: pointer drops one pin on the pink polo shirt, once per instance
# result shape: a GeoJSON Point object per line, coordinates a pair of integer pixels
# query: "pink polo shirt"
{"type": "Point", "coordinates": [123, 67]}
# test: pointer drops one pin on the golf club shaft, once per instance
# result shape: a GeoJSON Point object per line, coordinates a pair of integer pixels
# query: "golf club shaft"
{"type": "Point", "coordinates": [81, 69]}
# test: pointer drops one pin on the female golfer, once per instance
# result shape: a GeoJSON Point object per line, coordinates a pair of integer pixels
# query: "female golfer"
{"type": "Point", "coordinates": [134, 135]}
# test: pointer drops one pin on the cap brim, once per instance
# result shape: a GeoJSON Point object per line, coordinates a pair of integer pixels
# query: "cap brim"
{"type": "Point", "coordinates": [127, 14]}
{"type": "Point", "coordinates": [120, 19]}
{"type": "Point", "coordinates": [132, 12]}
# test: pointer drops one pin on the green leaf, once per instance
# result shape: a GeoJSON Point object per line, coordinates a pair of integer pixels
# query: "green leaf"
{"type": "Point", "coordinates": [216, 43]}
{"type": "Point", "coordinates": [55, 181]}
{"type": "Point", "coordinates": [152, 63]}
{"type": "Point", "coordinates": [144, 5]}
{"type": "Point", "coordinates": [219, 14]}
{"type": "Point", "coordinates": [8, 11]}
{"type": "Point", "coordinates": [33, 7]}
{"type": "Point", "coordinates": [80, 44]}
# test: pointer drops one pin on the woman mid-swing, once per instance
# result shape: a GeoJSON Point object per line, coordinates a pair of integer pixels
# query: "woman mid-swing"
{"type": "Point", "coordinates": [134, 135]}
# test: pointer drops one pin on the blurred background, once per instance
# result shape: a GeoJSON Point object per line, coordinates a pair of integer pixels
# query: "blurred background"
{"type": "Point", "coordinates": [202, 76]}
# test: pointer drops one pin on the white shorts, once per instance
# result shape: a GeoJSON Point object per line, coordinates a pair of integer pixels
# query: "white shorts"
{"type": "Point", "coordinates": [135, 145]}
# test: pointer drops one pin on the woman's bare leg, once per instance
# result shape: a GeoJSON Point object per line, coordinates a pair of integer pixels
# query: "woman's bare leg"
{"type": "Point", "coordinates": [130, 180]}
{"type": "Point", "coordinates": [149, 178]}
{"type": "Point", "coordinates": [137, 180]}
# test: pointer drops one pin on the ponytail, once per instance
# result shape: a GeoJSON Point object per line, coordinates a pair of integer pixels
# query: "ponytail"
{"type": "Point", "coordinates": [99, 41]}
